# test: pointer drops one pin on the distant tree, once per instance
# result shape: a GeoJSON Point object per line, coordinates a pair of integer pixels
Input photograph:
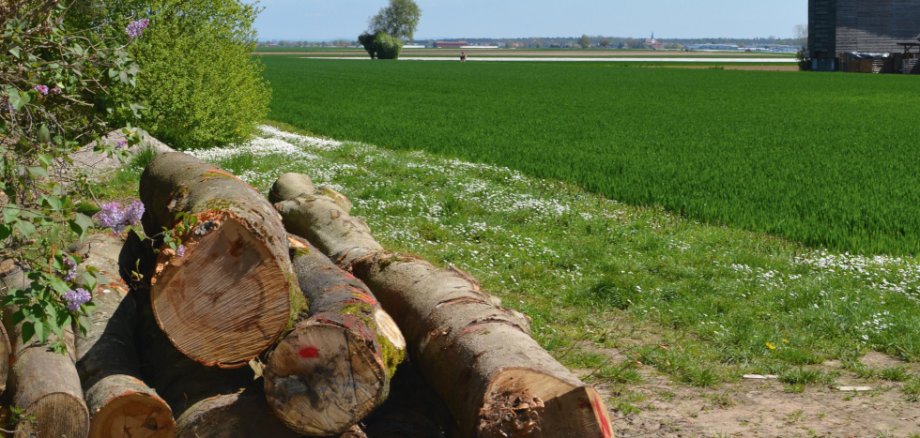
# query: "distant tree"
{"type": "Point", "coordinates": [367, 40]}
{"type": "Point", "coordinates": [801, 34]}
{"type": "Point", "coordinates": [584, 42]}
{"type": "Point", "coordinates": [389, 28]}
{"type": "Point", "coordinates": [606, 42]}
{"type": "Point", "coordinates": [387, 46]}
{"type": "Point", "coordinates": [399, 19]}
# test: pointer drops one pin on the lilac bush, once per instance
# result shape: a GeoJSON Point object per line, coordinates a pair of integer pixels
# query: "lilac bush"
{"type": "Point", "coordinates": [60, 87]}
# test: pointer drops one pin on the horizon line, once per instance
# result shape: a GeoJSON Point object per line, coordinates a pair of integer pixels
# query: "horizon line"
{"type": "Point", "coordinates": [318, 40]}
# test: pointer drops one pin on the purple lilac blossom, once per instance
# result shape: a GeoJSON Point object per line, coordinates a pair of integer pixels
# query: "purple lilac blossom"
{"type": "Point", "coordinates": [71, 273]}
{"type": "Point", "coordinates": [111, 216]}
{"type": "Point", "coordinates": [134, 212]}
{"type": "Point", "coordinates": [76, 298]}
{"type": "Point", "coordinates": [136, 27]}
{"type": "Point", "coordinates": [43, 89]}
{"type": "Point", "coordinates": [180, 251]}
{"type": "Point", "coordinates": [114, 216]}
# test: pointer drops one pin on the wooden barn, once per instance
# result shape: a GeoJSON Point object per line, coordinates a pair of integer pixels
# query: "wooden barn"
{"type": "Point", "coordinates": [837, 28]}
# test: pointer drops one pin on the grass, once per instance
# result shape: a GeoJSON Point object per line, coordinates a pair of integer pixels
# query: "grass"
{"type": "Point", "coordinates": [571, 53]}
{"type": "Point", "coordinates": [701, 303]}
{"type": "Point", "coordinates": [824, 159]}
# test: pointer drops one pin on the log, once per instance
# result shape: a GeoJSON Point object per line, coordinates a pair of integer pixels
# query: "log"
{"type": "Point", "coordinates": [232, 293]}
{"type": "Point", "coordinates": [45, 385]}
{"type": "Point", "coordinates": [6, 350]}
{"type": "Point", "coordinates": [335, 367]}
{"type": "Point", "coordinates": [495, 379]}
{"type": "Point", "coordinates": [294, 185]}
{"type": "Point", "coordinates": [119, 403]}
{"type": "Point", "coordinates": [179, 380]}
{"type": "Point", "coordinates": [240, 414]}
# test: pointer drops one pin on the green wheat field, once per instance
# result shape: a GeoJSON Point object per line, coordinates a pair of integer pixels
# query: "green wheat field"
{"type": "Point", "coordinates": [827, 160]}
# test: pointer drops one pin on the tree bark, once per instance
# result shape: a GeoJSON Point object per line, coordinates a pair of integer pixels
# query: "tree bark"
{"type": "Point", "coordinates": [334, 368]}
{"type": "Point", "coordinates": [495, 379]}
{"type": "Point", "coordinates": [179, 380]}
{"type": "Point", "coordinates": [6, 350]}
{"type": "Point", "coordinates": [119, 402]}
{"type": "Point", "coordinates": [232, 293]}
{"type": "Point", "coordinates": [240, 414]}
{"type": "Point", "coordinates": [45, 384]}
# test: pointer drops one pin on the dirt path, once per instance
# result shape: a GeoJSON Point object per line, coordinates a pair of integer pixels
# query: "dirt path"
{"type": "Point", "coordinates": [763, 408]}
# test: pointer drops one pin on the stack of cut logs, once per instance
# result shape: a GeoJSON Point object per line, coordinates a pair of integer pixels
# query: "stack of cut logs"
{"type": "Point", "coordinates": [245, 316]}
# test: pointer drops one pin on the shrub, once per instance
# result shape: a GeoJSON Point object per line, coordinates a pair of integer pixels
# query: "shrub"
{"type": "Point", "coordinates": [367, 40]}
{"type": "Point", "coordinates": [387, 46]}
{"type": "Point", "coordinates": [60, 87]}
{"type": "Point", "coordinates": [201, 86]}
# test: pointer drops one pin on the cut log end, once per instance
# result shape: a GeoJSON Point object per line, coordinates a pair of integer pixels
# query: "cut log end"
{"type": "Point", "coordinates": [192, 304]}
{"type": "Point", "coordinates": [54, 415]}
{"type": "Point", "coordinates": [290, 186]}
{"type": "Point", "coordinates": [133, 415]}
{"type": "Point", "coordinates": [522, 402]}
{"type": "Point", "coordinates": [322, 379]}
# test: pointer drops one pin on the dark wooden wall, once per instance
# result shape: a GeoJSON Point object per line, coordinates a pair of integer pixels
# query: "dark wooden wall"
{"type": "Point", "coordinates": [876, 25]}
{"type": "Point", "coordinates": [822, 28]}
{"type": "Point", "coordinates": [837, 26]}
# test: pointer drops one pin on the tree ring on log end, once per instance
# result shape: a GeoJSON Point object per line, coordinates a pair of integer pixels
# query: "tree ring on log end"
{"type": "Point", "coordinates": [226, 300]}
{"type": "Point", "coordinates": [54, 415]}
{"type": "Point", "coordinates": [135, 415]}
{"type": "Point", "coordinates": [321, 378]}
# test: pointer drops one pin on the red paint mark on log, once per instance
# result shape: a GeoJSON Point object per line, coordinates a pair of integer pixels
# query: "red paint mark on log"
{"type": "Point", "coordinates": [308, 352]}
{"type": "Point", "coordinates": [602, 415]}
{"type": "Point", "coordinates": [365, 298]}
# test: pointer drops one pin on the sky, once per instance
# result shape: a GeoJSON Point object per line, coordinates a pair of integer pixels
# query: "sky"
{"type": "Point", "coordinates": [321, 20]}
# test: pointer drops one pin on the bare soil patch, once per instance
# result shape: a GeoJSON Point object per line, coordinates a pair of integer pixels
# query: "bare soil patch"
{"type": "Point", "coordinates": [764, 408]}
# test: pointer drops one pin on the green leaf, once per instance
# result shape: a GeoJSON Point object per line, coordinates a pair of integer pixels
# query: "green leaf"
{"type": "Point", "coordinates": [58, 285]}
{"type": "Point", "coordinates": [80, 224]}
{"type": "Point", "coordinates": [28, 331]}
{"type": "Point", "coordinates": [25, 228]}
{"type": "Point", "coordinates": [37, 171]}
{"type": "Point", "coordinates": [22, 100]}
{"type": "Point", "coordinates": [41, 332]}
{"type": "Point", "coordinates": [14, 100]}
{"type": "Point", "coordinates": [5, 231]}
{"type": "Point", "coordinates": [88, 280]}
{"type": "Point", "coordinates": [52, 202]}
{"type": "Point", "coordinates": [64, 320]}
{"type": "Point", "coordinates": [15, 51]}
{"type": "Point", "coordinates": [18, 316]}
{"type": "Point", "coordinates": [44, 135]}
{"type": "Point", "coordinates": [87, 208]}
{"type": "Point", "coordinates": [10, 213]}
{"type": "Point", "coordinates": [45, 159]}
